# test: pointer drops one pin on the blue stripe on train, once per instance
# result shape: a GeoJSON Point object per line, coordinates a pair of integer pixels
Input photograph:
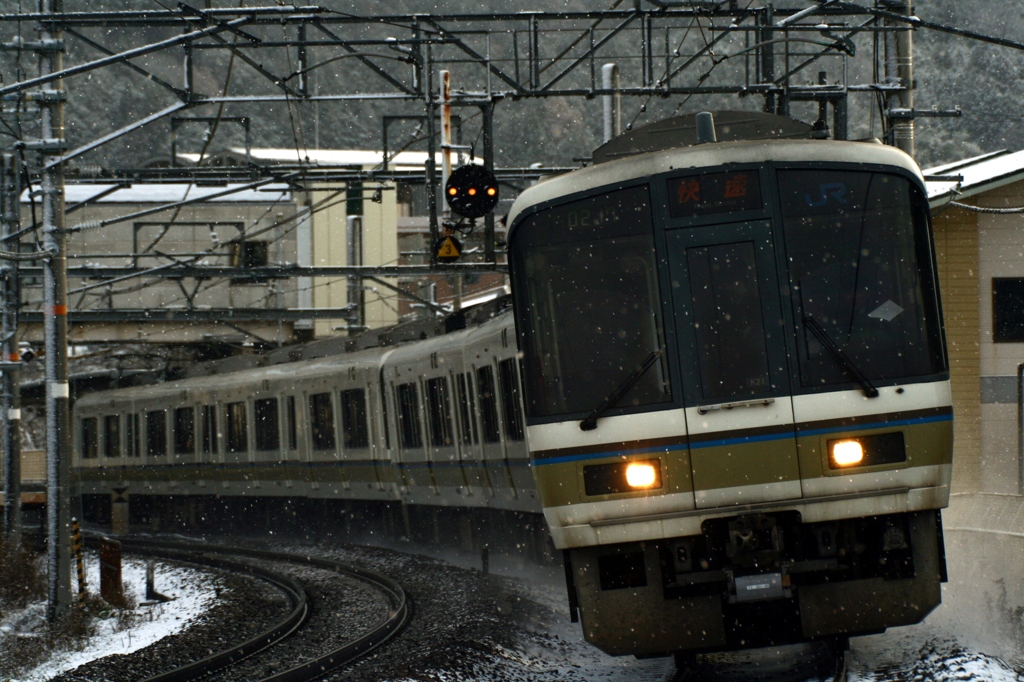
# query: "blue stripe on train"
{"type": "Point", "coordinates": [743, 439]}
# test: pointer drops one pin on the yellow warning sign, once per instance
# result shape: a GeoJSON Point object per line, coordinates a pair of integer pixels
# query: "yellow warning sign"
{"type": "Point", "coordinates": [448, 249]}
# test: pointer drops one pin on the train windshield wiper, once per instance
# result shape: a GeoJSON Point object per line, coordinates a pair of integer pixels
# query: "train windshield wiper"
{"type": "Point", "coordinates": [590, 423]}
{"type": "Point", "coordinates": [840, 357]}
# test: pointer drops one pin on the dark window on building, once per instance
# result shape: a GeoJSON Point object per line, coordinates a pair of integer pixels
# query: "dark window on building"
{"type": "Point", "coordinates": [467, 410]}
{"type": "Point", "coordinates": [90, 438]}
{"type": "Point", "coordinates": [156, 433]}
{"type": "Point", "coordinates": [184, 431]}
{"type": "Point", "coordinates": [238, 428]}
{"type": "Point", "coordinates": [209, 429]}
{"type": "Point", "coordinates": [439, 412]}
{"type": "Point", "coordinates": [1008, 309]}
{"type": "Point", "coordinates": [293, 430]}
{"type": "Point", "coordinates": [321, 415]}
{"type": "Point", "coordinates": [249, 254]}
{"type": "Point", "coordinates": [488, 404]}
{"type": "Point", "coordinates": [268, 437]}
{"type": "Point", "coordinates": [409, 416]}
{"type": "Point", "coordinates": [132, 435]}
{"type": "Point", "coordinates": [112, 436]}
{"type": "Point", "coordinates": [353, 418]}
{"type": "Point", "coordinates": [510, 409]}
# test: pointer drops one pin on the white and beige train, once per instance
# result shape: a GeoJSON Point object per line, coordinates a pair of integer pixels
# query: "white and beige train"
{"type": "Point", "coordinates": [734, 389]}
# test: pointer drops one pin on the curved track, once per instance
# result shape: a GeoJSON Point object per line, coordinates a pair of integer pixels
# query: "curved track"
{"type": "Point", "coordinates": [208, 555]}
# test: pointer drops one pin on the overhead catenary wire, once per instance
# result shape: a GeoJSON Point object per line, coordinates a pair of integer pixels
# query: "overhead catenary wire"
{"type": "Point", "coordinates": [988, 209]}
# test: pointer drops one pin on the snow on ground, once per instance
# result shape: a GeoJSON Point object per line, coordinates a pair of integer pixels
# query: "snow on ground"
{"type": "Point", "coordinates": [193, 590]}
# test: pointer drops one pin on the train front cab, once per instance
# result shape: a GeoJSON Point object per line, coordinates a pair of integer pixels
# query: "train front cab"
{"type": "Point", "coordinates": [773, 466]}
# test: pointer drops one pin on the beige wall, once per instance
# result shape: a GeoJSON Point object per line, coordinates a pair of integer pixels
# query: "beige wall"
{"type": "Point", "coordinates": [956, 245]}
{"type": "Point", "coordinates": [330, 247]}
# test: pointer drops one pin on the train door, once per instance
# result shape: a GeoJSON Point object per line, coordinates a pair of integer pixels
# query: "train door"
{"type": "Point", "coordinates": [733, 360]}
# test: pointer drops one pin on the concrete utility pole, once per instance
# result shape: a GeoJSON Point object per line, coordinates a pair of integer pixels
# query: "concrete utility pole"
{"type": "Point", "coordinates": [899, 66]}
{"type": "Point", "coordinates": [10, 391]}
{"type": "Point", "coordinates": [55, 320]}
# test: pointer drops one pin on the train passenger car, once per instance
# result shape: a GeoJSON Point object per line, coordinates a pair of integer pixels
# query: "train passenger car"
{"type": "Point", "coordinates": [737, 392]}
{"type": "Point", "coordinates": [436, 423]}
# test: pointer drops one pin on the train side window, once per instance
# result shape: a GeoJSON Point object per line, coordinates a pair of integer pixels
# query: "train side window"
{"type": "Point", "coordinates": [268, 435]}
{"type": "Point", "coordinates": [184, 431]}
{"type": "Point", "coordinates": [467, 410]}
{"type": "Point", "coordinates": [384, 413]}
{"type": "Point", "coordinates": [133, 434]}
{"type": "Point", "coordinates": [353, 419]}
{"type": "Point", "coordinates": [510, 409]}
{"type": "Point", "coordinates": [156, 433]}
{"type": "Point", "coordinates": [238, 440]}
{"type": "Point", "coordinates": [409, 416]}
{"type": "Point", "coordinates": [112, 436]}
{"type": "Point", "coordinates": [439, 412]}
{"type": "Point", "coordinates": [293, 430]}
{"type": "Point", "coordinates": [90, 438]}
{"type": "Point", "coordinates": [208, 426]}
{"type": "Point", "coordinates": [321, 415]}
{"type": "Point", "coordinates": [488, 404]}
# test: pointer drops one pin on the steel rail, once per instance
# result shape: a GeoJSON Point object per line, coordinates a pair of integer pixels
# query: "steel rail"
{"type": "Point", "coordinates": [399, 613]}
{"type": "Point", "coordinates": [232, 655]}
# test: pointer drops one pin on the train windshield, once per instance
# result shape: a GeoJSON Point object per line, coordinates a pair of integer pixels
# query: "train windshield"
{"type": "Point", "coordinates": [586, 273]}
{"type": "Point", "coordinates": [860, 267]}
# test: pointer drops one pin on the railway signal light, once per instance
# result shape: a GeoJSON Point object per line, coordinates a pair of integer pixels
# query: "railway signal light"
{"type": "Point", "coordinates": [471, 191]}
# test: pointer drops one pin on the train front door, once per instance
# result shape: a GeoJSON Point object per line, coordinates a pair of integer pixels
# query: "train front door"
{"type": "Point", "coordinates": [731, 350]}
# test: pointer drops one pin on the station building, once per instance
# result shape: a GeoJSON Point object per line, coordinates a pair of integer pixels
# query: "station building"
{"type": "Point", "coordinates": [979, 239]}
{"type": "Point", "coordinates": [273, 224]}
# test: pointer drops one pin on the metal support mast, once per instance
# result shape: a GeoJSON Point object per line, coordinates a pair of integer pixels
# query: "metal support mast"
{"type": "Point", "coordinates": [55, 323]}
{"type": "Point", "coordinates": [899, 68]}
{"type": "Point", "coordinates": [10, 392]}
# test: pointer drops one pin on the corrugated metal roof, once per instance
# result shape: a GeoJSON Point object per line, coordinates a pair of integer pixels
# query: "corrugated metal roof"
{"type": "Point", "coordinates": [973, 176]}
{"type": "Point", "coordinates": [168, 193]}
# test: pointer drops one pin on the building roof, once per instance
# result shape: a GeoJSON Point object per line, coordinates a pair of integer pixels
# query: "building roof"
{"type": "Point", "coordinates": [361, 158]}
{"type": "Point", "coordinates": [966, 178]}
{"type": "Point", "coordinates": [165, 193]}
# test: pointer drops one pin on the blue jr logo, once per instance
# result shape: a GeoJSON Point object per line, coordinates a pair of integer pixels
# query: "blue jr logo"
{"type": "Point", "coordinates": [834, 190]}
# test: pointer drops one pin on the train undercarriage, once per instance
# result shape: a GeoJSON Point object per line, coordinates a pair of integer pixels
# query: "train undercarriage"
{"type": "Point", "coordinates": [758, 580]}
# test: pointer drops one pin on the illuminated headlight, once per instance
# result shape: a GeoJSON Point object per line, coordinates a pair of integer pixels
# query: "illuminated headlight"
{"type": "Point", "coordinates": [622, 477]}
{"type": "Point", "coordinates": [866, 451]}
{"type": "Point", "coordinates": [641, 474]}
{"type": "Point", "coordinates": [847, 453]}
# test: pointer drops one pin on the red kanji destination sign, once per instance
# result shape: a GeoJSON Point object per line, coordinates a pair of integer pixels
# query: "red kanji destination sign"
{"type": "Point", "coordinates": [698, 195]}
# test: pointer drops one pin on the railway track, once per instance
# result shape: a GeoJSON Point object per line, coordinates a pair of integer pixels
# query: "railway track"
{"type": "Point", "coordinates": [287, 628]}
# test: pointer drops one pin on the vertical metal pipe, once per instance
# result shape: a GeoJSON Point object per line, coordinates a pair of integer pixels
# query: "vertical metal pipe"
{"type": "Point", "coordinates": [435, 232]}
{"type": "Point", "coordinates": [445, 85]}
{"type": "Point", "coordinates": [647, 50]}
{"type": "Point", "coordinates": [303, 59]}
{"type": "Point", "coordinates": [189, 71]}
{"type": "Point", "coordinates": [534, 54]}
{"type": "Point", "coordinates": [612, 103]}
{"type": "Point", "coordinates": [488, 135]}
{"type": "Point", "coordinates": [767, 61]}
{"type": "Point", "coordinates": [355, 282]}
{"type": "Point", "coordinates": [1020, 429]}
{"type": "Point", "coordinates": [10, 402]}
{"type": "Point", "coordinates": [55, 330]}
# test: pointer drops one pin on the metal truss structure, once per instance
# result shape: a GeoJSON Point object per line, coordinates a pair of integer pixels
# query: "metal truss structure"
{"type": "Point", "coordinates": [665, 50]}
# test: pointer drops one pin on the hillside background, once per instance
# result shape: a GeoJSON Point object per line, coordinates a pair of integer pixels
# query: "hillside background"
{"type": "Point", "coordinates": [983, 80]}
